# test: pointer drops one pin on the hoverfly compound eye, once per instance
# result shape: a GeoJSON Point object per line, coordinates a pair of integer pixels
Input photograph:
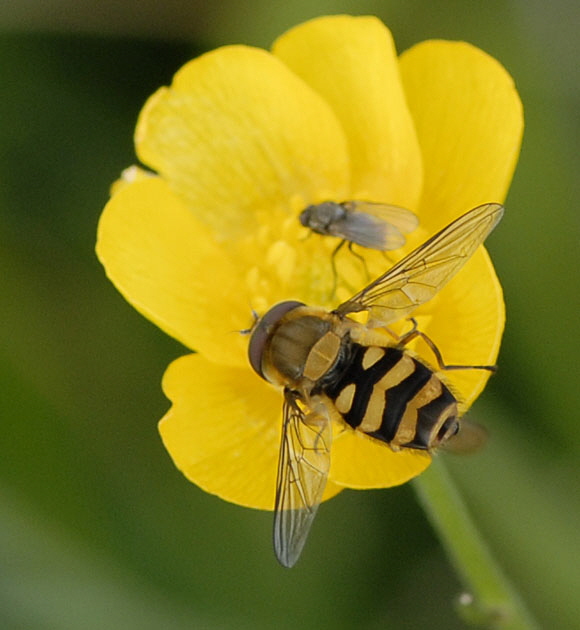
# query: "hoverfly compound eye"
{"type": "Point", "coordinates": [263, 330]}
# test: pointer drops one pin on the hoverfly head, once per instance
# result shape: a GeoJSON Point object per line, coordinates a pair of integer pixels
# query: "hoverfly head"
{"type": "Point", "coordinates": [262, 331]}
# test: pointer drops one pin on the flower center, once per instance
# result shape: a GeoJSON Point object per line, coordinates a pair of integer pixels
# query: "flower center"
{"type": "Point", "coordinates": [286, 261]}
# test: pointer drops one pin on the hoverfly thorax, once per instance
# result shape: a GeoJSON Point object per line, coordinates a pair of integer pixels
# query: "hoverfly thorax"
{"type": "Point", "coordinates": [294, 345]}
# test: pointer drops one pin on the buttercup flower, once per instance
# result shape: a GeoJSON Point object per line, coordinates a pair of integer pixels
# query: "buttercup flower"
{"type": "Point", "coordinates": [242, 141]}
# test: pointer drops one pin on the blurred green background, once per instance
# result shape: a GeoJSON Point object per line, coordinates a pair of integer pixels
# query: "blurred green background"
{"type": "Point", "coordinates": [97, 528]}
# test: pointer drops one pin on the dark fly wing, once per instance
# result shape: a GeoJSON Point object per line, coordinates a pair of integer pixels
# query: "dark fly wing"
{"type": "Point", "coordinates": [368, 231]}
{"type": "Point", "coordinates": [402, 219]}
{"type": "Point", "coordinates": [425, 271]}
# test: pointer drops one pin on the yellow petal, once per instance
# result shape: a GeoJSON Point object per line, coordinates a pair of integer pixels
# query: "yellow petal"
{"type": "Point", "coordinates": [223, 431]}
{"type": "Point", "coordinates": [129, 175]}
{"type": "Point", "coordinates": [469, 121]}
{"type": "Point", "coordinates": [359, 461]}
{"type": "Point", "coordinates": [238, 134]}
{"type": "Point", "coordinates": [352, 62]}
{"type": "Point", "coordinates": [166, 263]}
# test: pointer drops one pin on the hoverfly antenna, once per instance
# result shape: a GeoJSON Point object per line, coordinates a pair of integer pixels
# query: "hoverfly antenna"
{"type": "Point", "coordinates": [248, 331]}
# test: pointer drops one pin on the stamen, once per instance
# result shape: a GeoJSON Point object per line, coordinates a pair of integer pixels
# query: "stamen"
{"type": "Point", "coordinates": [281, 258]}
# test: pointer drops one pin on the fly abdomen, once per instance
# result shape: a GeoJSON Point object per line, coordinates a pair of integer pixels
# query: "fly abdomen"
{"type": "Point", "coordinates": [395, 398]}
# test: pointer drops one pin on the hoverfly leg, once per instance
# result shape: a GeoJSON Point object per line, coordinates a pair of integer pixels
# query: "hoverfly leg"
{"type": "Point", "coordinates": [317, 423]}
{"type": "Point", "coordinates": [415, 332]}
{"type": "Point", "coordinates": [410, 334]}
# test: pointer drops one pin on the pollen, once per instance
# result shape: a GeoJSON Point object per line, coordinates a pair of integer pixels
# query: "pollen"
{"type": "Point", "coordinates": [281, 258]}
{"type": "Point", "coordinates": [258, 288]}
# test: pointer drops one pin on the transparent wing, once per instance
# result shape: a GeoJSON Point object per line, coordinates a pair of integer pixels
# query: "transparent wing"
{"type": "Point", "coordinates": [471, 438]}
{"type": "Point", "coordinates": [423, 273]}
{"type": "Point", "coordinates": [302, 472]}
{"type": "Point", "coordinates": [375, 225]}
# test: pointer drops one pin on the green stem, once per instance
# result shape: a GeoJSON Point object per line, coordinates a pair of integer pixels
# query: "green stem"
{"type": "Point", "coordinates": [490, 600]}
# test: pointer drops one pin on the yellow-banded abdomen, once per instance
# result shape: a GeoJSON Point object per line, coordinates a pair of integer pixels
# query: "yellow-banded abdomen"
{"type": "Point", "coordinates": [388, 394]}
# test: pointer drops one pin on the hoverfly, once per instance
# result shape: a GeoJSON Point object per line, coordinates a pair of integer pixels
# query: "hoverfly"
{"type": "Point", "coordinates": [373, 225]}
{"type": "Point", "coordinates": [329, 370]}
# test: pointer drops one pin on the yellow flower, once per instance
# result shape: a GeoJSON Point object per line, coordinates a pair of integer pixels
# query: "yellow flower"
{"type": "Point", "coordinates": [239, 144]}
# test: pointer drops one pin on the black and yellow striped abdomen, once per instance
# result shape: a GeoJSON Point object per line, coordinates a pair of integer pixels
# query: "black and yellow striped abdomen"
{"type": "Point", "coordinates": [391, 396]}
